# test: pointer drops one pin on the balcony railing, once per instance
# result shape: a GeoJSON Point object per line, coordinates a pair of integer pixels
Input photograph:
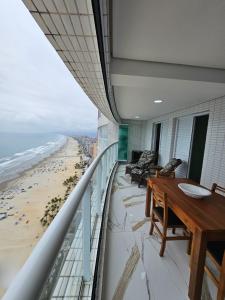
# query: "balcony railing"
{"type": "Point", "coordinates": [64, 259]}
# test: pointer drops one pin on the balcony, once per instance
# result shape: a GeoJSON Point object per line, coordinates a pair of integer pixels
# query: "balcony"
{"type": "Point", "coordinates": [156, 71]}
{"type": "Point", "coordinates": [102, 249]}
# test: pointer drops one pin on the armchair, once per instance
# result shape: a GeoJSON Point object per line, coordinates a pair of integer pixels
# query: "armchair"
{"type": "Point", "coordinates": [144, 159]}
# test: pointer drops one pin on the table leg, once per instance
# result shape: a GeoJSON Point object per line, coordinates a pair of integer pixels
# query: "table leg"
{"type": "Point", "coordinates": [148, 201]}
{"type": "Point", "coordinates": [198, 254]}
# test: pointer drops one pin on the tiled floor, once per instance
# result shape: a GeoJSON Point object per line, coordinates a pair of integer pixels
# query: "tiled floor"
{"type": "Point", "coordinates": [133, 268]}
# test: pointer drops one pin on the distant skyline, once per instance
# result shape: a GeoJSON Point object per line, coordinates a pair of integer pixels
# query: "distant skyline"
{"type": "Point", "coordinates": [37, 92]}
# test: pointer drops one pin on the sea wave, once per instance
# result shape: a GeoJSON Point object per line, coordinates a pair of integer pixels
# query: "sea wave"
{"type": "Point", "coordinates": [11, 167]}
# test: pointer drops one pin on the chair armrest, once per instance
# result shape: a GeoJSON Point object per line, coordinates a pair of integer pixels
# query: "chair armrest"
{"type": "Point", "coordinates": [156, 167]}
{"type": "Point", "coordinates": [170, 174]}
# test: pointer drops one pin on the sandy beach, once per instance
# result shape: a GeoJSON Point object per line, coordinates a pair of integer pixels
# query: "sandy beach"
{"type": "Point", "coordinates": [24, 199]}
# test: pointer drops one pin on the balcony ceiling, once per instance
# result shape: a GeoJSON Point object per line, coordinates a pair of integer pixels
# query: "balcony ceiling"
{"type": "Point", "coordinates": [171, 50]}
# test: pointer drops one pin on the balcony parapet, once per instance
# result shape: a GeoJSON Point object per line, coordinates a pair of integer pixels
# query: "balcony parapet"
{"type": "Point", "coordinates": [87, 198]}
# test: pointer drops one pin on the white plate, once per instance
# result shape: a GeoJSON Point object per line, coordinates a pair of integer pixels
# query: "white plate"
{"type": "Point", "coordinates": [193, 190]}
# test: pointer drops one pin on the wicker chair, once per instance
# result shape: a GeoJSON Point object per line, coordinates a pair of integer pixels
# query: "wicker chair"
{"type": "Point", "coordinates": [145, 157]}
{"type": "Point", "coordinates": [141, 175]}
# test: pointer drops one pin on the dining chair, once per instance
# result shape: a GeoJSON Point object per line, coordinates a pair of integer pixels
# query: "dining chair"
{"type": "Point", "coordinates": [216, 253]}
{"type": "Point", "coordinates": [166, 217]}
{"type": "Point", "coordinates": [217, 188]}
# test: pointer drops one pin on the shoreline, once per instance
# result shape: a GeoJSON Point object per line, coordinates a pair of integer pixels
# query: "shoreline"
{"type": "Point", "coordinates": [25, 199]}
{"type": "Point", "coordinates": [21, 173]}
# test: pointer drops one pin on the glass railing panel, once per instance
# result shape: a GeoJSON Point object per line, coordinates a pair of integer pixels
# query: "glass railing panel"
{"type": "Point", "coordinates": [68, 260]}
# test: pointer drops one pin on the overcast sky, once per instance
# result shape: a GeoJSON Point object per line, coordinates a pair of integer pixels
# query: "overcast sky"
{"type": "Point", "coordinates": [37, 92]}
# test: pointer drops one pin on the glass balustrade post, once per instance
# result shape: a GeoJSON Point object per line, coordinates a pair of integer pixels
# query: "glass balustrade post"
{"type": "Point", "coordinates": [99, 188]}
{"type": "Point", "coordinates": [86, 236]}
{"type": "Point", "coordinates": [113, 153]}
{"type": "Point", "coordinates": [103, 173]}
{"type": "Point", "coordinates": [110, 158]}
{"type": "Point", "coordinates": [105, 170]}
{"type": "Point", "coordinates": [107, 163]}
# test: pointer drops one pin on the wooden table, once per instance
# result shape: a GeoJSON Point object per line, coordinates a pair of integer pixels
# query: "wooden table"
{"type": "Point", "coordinates": [205, 218]}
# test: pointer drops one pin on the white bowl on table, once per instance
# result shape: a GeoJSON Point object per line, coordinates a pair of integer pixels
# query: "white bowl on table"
{"type": "Point", "coordinates": [194, 191]}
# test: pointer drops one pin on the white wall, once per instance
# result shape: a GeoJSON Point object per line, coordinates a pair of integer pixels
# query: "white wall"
{"type": "Point", "coordinates": [136, 132]}
{"type": "Point", "coordinates": [214, 158]}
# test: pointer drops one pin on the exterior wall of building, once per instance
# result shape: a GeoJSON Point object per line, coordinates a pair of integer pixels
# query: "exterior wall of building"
{"type": "Point", "coordinates": [177, 134]}
{"type": "Point", "coordinates": [107, 132]}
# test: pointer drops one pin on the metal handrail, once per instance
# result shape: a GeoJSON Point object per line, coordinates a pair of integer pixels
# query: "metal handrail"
{"type": "Point", "coordinates": [29, 281]}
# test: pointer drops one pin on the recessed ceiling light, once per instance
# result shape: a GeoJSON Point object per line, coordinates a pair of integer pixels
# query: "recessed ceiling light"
{"type": "Point", "coordinates": [137, 117]}
{"type": "Point", "coordinates": [158, 101]}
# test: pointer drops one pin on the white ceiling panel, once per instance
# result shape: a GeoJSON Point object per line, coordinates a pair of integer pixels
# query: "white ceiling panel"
{"type": "Point", "coordinates": [49, 23]}
{"type": "Point", "coordinates": [90, 43]}
{"type": "Point", "coordinates": [68, 56]}
{"type": "Point", "coordinates": [60, 5]}
{"type": "Point", "coordinates": [76, 24]}
{"type": "Point", "coordinates": [57, 20]}
{"type": "Point", "coordinates": [177, 94]}
{"type": "Point", "coordinates": [50, 6]}
{"type": "Point", "coordinates": [68, 24]}
{"type": "Point", "coordinates": [75, 43]}
{"type": "Point", "coordinates": [82, 6]}
{"type": "Point", "coordinates": [41, 23]}
{"type": "Point", "coordinates": [30, 5]}
{"type": "Point", "coordinates": [67, 42]}
{"type": "Point", "coordinates": [85, 25]}
{"type": "Point", "coordinates": [53, 42]}
{"type": "Point", "coordinates": [82, 42]}
{"type": "Point", "coordinates": [87, 57]}
{"type": "Point", "coordinates": [172, 50]}
{"type": "Point", "coordinates": [39, 4]}
{"type": "Point", "coordinates": [89, 7]}
{"type": "Point", "coordinates": [60, 42]}
{"type": "Point", "coordinates": [175, 31]}
{"type": "Point", "coordinates": [71, 6]}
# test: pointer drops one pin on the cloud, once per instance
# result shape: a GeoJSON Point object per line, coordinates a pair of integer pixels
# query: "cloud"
{"type": "Point", "coordinates": [37, 92]}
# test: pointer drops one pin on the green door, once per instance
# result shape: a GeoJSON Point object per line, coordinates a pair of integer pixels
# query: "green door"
{"type": "Point", "coordinates": [123, 142]}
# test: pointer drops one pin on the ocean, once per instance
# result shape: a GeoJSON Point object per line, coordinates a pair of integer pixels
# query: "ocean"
{"type": "Point", "coordinates": [20, 151]}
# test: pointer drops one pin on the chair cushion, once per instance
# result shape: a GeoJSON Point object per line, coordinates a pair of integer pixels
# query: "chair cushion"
{"type": "Point", "coordinates": [173, 220]}
{"type": "Point", "coordinates": [147, 159]}
{"type": "Point", "coordinates": [217, 250]}
{"type": "Point", "coordinates": [143, 155]}
{"type": "Point", "coordinates": [146, 154]}
{"type": "Point", "coordinates": [137, 171]}
{"type": "Point", "coordinates": [171, 166]}
{"type": "Point", "coordinates": [131, 166]}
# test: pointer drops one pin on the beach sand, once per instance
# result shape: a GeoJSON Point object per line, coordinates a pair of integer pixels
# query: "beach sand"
{"type": "Point", "coordinates": [24, 201]}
